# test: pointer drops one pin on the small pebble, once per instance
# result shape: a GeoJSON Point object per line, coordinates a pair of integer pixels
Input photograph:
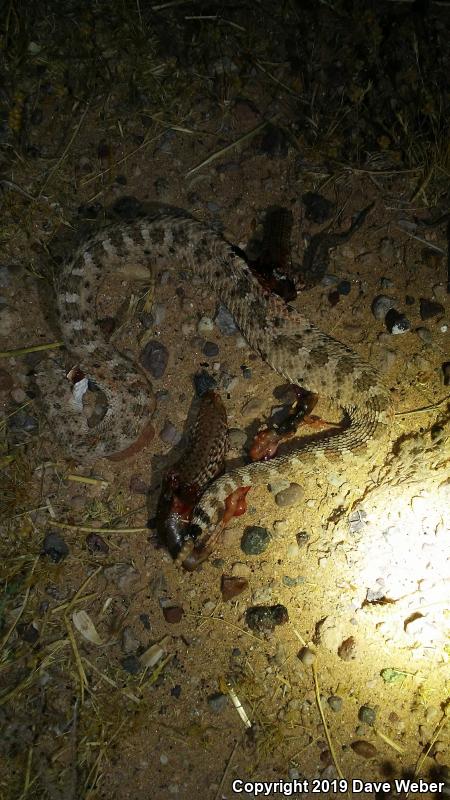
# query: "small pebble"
{"type": "Point", "coordinates": [131, 664]}
{"type": "Point", "coordinates": [154, 358]}
{"type": "Point", "coordinates": [265, 618]}
{"type": "Point", "coordinates": [210, 349]}
{"type": "Point", "coordinates": [381, 305]}
{"type": "Point", "coordinates": [6, 380]}
{"type": "Point", "coordinates": [130, 642]}
{"type": "Point", "coordinates": [241, 570]}
{"type": "Point", "coordinates": [18, 395]}
{"type": "Point", "coordinates": [364, 749]}
{"type": "Point", "coordinates": [386, 283]}
{"type": "Point", "coordinates": [440, 292]}
{"type": "Point", "coordinates": [307, 657]}
{"type": "Point", "coordinates": [225, 322]}
{"type": "Point", "coordinates": [290, 496]}
{"type": "Point", "coordinates": [172, 614]}
{"type": "Point", "coordinates": [397, 323]}
{"type": "Point", "coordinates": [255, 540]}
{"type": "Point", "coordinates": [246, 373]}
{"type": "Point", "coordinates": [335, 703]}
{"type": "Point", "coordinates": [237, 439]}
{"type": "Point", "coordinates": [231, 586]}
{"type": "Point", "coordinates": [55, 547]}
{"type": "Point", "coordinates": [291, 583]}
{"type": "Point", "coordinates": [205, 326]}
{"type": "Point", "coordinates": [367, 714]}
{"type": "Point", "coordinates": [217, 702]}
{"type": "Point", "coordinates": [344, 287]}
{"type": "Point", "coordinates": [169, 434]}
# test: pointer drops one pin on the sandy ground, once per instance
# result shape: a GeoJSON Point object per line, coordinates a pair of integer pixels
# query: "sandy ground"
{"type": "Point", "coordinates": [375, 582]}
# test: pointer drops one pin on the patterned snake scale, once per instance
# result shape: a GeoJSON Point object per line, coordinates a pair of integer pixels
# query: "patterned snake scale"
{"type": "Point", "coordinates": [282, 336]}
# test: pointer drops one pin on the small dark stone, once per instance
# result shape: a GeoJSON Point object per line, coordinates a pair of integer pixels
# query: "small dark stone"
{"type": "Point", "coordinates": [255, 540]}
{"type": "Point", "coordinates": [335, 703]}
{"type": "Point", "coordinates": [131, 664]}
{"type": "Point", "coordinates": [172, 614]}
{"type": "Point", "coordinates": [55, 547]}
{"type": "Point", "coordinates": [217, 702]}
{"type": "Point", "coordinates": [231, 586]}
{"type": "Point", "coordinates": [145, 619]}
{"type": "Point", "coordinates": [317, 208]}
{"type": "Point", "coordinates": [429, 308]}
{"type": "Point", "coordinates": [302, 538]}
{"type": "Point", "coordinates": [367, 714]}
{"type": "Point", "coordinates": [292, 582]}
{"type": "Point", "coordinates": [364, 749]}
{"type": "Point", "coordinates": [103, 150]}
{"type": "Point", "coordinates": [96, 543]}
{"type": "Point", "coordinates": [409, 300]}
{"type": "Point", "coordinates": [175, 691]}
{"type": "Point", "coordinates": [396, 323]}
{"type": "Point", "coordinates": [333, 298]}
{"type": "Point", "coordinates": [265, 618]}
{"type": "Point", "coordinates": [225, 322]}
{"type": "Point", "coordinates": [344, 287]}
{"type": "Point", "coordinates": [154, 358]}
{"type": "Point", "coordinates": [122, 180]}
{"type": "Point", "coordinates": [246, 373]}
{"type": "Point", "coordinates": [203, 382]}
{"type": "Point", "coordinates": [210, 349]}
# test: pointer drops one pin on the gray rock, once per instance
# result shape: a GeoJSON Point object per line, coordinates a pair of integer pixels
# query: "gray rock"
{"type": "Point", "coordinates": [217, 702]}
{"type": "Point", "coordinates": [290, 496]}
{"type": "Point", "coordinates": [381, 305]}
{"type": "Point", "coordinates": [130, 642]}
{"type": "Point", "coordinates": [210, 349]}
{"type": "Point", "coordinates": [169, 434]}
{"type": "Point", "coordinates": [225, 322]}
{"type": "Point", "coordinates": [255, 540]}
{"type": "Point", "coordinates": [154, 358]}
{"type": "Point", "coordinates": [335, 703]}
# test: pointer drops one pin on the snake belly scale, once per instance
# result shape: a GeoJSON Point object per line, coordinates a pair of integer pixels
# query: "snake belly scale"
{"type": "Point", "coordinates": [283, 337]}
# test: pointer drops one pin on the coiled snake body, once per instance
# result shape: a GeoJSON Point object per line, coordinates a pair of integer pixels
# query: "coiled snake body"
{"type": "Point", "coordinates": [283, 337]}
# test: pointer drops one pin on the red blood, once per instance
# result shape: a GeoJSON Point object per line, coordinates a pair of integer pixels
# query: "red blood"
{"type": "Point", "coordinates": [235, 504]}
{"type": "Point", "coordinates": [265, 445]}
